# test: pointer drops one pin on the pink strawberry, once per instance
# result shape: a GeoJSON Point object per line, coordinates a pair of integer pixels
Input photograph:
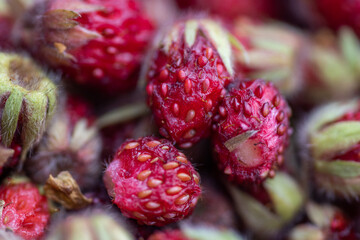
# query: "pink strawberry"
{"type": "Point", "coordinates": [25, 211]}
{"type": "Point", "coordinates": [251, 132]}
{"type": "Point", "coordinates": [98, 43]}
{"type": "Point", "coordinates": [187, 76]}
{"type": "Point", "coordinates": [152, 182]}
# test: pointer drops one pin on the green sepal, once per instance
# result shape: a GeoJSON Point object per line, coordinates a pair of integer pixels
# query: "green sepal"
{"type": "Point", "coordinates": [329, 113]}
{"type": "Point", "coordinates": [257, 217]}
{"type": "Point", "coordinates": [306, 232]}
{"type": "Point", "coordinates": [10, 117]}
{"type": "Point", "coordinates": [208, 233]}
{"type": "Point", "coordinates": [107, 229]}
{"type": "Point", "coordinates": [350, 47]}
{"type": "Point", "coordinates": [334, 138]}
{"type": "Point", "coordinates": [34, 123]}
{"type": "Point", "coordinates": [339, 168]}
{"type": "Point", "coordinates": [286, 195]}
{"type": "Point", "coordinates": [220, 38]}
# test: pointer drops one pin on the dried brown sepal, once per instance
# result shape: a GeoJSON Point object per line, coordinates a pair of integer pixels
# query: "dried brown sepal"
{"type": "Point", "coordinates": [64, 190]}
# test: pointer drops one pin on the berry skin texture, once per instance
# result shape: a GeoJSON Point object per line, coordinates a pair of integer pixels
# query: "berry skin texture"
{"type": "Point", "coordinates": [152, 182]}
{"type": "Point", "coordinates": [99, 43]}
{"type": "Point", "coordinates": [251, 132]}
{"type": "Point", "coordinates": [186, 79]}
{"type": "Point", "coordinates": [25, 211]}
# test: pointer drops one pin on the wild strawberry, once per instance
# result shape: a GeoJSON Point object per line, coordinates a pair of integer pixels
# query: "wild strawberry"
{"type": "Point", "coordinates": [98, 43]}
{"type": "Point", "coordinates": [27, 103]}
{"type": "Point", "coordinates": [325, 222]}
{"type": "Point", "coordinates": [72, 142]}
{"type": "Point", "coordinates": [25, 211]}
{"type": "Point", "coordinates": [332, 146]}
{"type": "Point", "coordinates": [230, 9]}
{"type": "Point", "coordinates": [93, 224]}
{"type": "Point", "coordinates": [274, 52]}
{"type": "Point", "coordinates": [152, 182]}
{"type": "Point", "coordinates": [251, 132]}
{"type": "Point", "coordinates": [187, 77]}
{"type": "Point", "coordinates": [268, 207]}
{"type": "Point", "coordinates": [338, 13]}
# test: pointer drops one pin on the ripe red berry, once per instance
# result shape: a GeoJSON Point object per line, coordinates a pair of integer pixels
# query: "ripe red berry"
{"type": "Point", "coordinates": [152, 182]}
{"type": "Point", "coordinates": [25, 211]}
{"type": "Point", "coordinates": [187, 77]}
{"type": "Point", "coordinates": [252, 131]}
{"type": "Point", "coordinates": [99, 43]}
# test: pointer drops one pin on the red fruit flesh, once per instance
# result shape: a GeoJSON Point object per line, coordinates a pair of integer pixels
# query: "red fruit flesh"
{"type": "Point", "coordinates": [25, 211]}
{"type": "Point", "coordinates": [111, 61]}
{"type": "Point", "coordinates": [152, 182]}
{"type": "Point", "coordinates": [168, 235]}
{"type": "Point", "coordinates": [252, 131]}
{"type": "Point", "coordinates": [339, 13]}
{"type": "Point", "coordinates": [185, 86]}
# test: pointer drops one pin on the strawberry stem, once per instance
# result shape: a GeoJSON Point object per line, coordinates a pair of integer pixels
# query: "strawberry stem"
{"type": "Point", "coordinates": [122, 114]}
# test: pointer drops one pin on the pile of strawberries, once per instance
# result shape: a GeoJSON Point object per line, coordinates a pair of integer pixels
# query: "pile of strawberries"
{"type": "Point", "coordinates": [179, 119]}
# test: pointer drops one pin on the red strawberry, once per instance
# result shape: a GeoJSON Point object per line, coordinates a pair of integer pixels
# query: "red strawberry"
{"type": "Point", "coordinates": [25, 211]}
{"type": "Point", "coordinates": [187, 77]}
{"type": "Point", "coordinates": [232, 8]}
{"type": "Point", "coordinates": [168, 235]}
{"type": "Point", "coordinates": [99, 43]}
{"type": "Point", "coordinates": [339, 13]}
{"type": "Point", "coordinates": [251, 132]}
{"type": "Point", "coordinates": [152, 182]}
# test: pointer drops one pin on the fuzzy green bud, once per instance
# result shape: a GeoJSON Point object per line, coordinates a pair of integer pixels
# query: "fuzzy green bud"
{"type": "Point", "coordinates": [332, 136]}
{"type": "Point", "coordinates": [28, 101]}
